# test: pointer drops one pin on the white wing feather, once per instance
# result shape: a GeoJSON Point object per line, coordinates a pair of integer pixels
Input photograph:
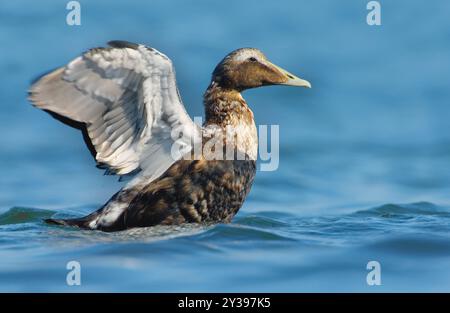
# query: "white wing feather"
{"type": "Point", "coordinates": [127, 98]}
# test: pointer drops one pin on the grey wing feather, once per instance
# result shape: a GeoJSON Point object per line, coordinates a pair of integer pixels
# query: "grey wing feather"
{"type": "Point", "coordinates": [127, 98]}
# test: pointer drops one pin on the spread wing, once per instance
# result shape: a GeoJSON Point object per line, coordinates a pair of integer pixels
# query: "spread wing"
{"type": "Point", "coordinates": [125, 99]}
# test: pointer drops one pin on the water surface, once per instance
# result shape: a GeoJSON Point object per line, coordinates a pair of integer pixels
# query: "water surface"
{"type": "Point", "coordinates": [364, 155]}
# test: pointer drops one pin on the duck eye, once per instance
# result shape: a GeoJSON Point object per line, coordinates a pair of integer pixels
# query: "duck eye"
{"type": "Point", "coordinates": [252, 59]}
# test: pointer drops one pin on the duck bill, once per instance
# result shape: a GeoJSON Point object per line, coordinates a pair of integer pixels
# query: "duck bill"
{"type": "Point", "coordinates": [290, 79]}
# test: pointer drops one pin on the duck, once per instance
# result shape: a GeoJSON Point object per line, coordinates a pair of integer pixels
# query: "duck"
{"type": "Point", "coordinates": [125, 100]}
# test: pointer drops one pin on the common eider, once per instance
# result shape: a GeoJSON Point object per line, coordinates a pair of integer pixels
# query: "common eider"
{"type": "Point", "coordinates": [125, 100]}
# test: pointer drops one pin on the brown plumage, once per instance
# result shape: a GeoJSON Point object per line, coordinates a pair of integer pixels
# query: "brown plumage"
{"type": "Point", "coordinates": [196, 188]}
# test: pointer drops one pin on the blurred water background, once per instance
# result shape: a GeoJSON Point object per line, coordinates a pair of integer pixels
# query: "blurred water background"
{"type": "Point", "coordinates": [364, 155]}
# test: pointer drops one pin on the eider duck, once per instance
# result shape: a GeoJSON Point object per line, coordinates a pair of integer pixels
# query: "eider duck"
{"type": "Point", "coordinates": [124, 98]}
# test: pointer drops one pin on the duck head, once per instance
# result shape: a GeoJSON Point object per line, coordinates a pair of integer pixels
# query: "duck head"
{"type": "Point", "coordinates": [247, 68]}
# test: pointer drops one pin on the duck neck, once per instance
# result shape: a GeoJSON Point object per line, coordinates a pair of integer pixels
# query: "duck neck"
{"type": "Point", "coordinates": [225, 106]}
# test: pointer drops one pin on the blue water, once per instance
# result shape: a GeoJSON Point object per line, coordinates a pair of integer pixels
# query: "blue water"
{"type": "Point", "coordinates": [364, 155]}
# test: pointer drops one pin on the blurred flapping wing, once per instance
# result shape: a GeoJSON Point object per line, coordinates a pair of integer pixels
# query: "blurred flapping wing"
{"type": "Point", "coordinates": [126, 100]}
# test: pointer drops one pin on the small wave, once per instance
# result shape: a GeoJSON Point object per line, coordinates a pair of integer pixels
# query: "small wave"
{"type": "Point", "coordinates": [240, 232]}
{"type": "Point", "coordinates": [416, 208]}
{"type": "Point", "coordinates": [263, 219]}
{"type": "Point", "coordinates": [19, 215]}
